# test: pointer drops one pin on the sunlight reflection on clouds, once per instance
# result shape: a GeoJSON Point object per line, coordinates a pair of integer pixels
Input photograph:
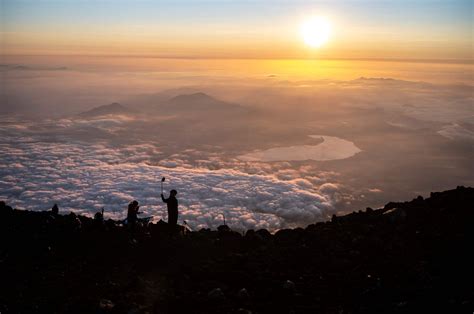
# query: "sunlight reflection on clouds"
{"type": "Point", "coordinates": [34, 175]}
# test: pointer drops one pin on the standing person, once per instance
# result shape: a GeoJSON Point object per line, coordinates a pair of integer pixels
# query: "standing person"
{"type": "Point", "coordinates": [132, 213]}
{"type": "Point", "coordinates": [55, 209]}
{"type": "Point", "coordinates": [172, 203]}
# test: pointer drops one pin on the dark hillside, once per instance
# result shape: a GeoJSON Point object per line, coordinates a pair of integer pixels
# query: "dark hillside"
{"type": "Point", "coordinates": [406, 257]}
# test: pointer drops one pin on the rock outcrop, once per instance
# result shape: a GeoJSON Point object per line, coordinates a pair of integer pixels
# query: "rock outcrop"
{"type": "Point", "coordinates": [406, 257]}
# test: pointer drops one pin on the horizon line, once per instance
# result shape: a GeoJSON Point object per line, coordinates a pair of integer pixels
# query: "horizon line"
{"type": "Point", "coordinates": [147, 56]}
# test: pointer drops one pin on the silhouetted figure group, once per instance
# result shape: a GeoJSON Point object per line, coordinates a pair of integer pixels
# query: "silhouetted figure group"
{"type": "Point", "coordinates": [172, 206]}
{"type": "Point", "coordinates": [133, 211]}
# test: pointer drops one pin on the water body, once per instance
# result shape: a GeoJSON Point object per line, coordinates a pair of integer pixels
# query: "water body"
{"type": "Point", "coordinates": [332, 148]}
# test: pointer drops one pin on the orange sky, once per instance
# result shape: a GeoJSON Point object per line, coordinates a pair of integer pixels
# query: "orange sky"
{"type": "Point", "coordinates": [261, 29]}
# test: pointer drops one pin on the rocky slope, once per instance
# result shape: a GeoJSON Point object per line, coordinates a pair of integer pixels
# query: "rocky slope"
{"type": "Point", "coordinates": [406, 257]}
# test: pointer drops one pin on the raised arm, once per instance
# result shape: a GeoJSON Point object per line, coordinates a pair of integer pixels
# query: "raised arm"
{"type": "Point", "coordinates": [164, 199]}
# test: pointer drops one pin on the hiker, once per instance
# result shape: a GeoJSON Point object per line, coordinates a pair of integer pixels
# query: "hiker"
{"type": "Point", "coordinates": [172, 203]}
{"type": "Point", "coordinates": [55, 209]}
{"type": "Point", "coordinates": [132, 212]}
{"type": "Point", "coordinates": [99, 217]}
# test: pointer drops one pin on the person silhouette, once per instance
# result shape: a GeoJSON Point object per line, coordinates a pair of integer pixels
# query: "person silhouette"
{"type": "Point", "coordinates": [172, 203]}
{"type": "Point", "coordinates": [132, 212]}
{"type": "Point", "coordinates": [55, 209]}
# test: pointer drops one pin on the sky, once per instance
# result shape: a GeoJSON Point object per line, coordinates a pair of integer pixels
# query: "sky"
{"type": "Point", "coordinates": [237, 29]}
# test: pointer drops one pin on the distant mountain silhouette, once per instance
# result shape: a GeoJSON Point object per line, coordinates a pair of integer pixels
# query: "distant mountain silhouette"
{"type": "Point", "coordinates": [182, 102]}
{"type": "Point", "coordinates": [148, 102]}
{"type": "Point", "coordinates": [197, 103]}
{"type": "Point", "coordinates": [111, 109]}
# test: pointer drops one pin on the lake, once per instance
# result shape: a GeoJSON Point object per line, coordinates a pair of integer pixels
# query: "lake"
{"type": "Point", "coordinates": [331, 148]}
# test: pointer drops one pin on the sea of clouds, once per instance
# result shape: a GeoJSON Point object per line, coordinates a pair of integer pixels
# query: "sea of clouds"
{"type": "Point", "coordinates": [37, 172]}
{"type": "Point", "coordinates": [39, 168]}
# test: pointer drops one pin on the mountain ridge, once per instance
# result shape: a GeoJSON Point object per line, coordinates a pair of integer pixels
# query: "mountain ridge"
{"type": "Point", "coordinates": [114, 108]}
{"type": "Point", "coordinates": [405, 257]}
{"type": "Point", "coordinates": [197, 103]}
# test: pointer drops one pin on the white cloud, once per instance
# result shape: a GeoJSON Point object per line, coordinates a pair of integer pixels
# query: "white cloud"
{"type": "Point", "coordinates": [84, 178]}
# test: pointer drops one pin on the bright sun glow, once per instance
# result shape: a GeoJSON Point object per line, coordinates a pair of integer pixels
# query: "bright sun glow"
{"type": "Point", "coordinates": [316, 31]}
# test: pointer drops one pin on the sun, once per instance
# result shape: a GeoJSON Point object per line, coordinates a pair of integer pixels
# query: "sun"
{"type": "Point", "coordinates": [316, 31]}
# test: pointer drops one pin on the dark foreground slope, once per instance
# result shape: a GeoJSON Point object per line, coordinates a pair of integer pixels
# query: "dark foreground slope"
{"type": "Point", "coordinates": [407, 257]}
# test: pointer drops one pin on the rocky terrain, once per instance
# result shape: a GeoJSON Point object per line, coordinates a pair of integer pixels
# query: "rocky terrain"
{"type": "Point", "coordinates": [406, 257]}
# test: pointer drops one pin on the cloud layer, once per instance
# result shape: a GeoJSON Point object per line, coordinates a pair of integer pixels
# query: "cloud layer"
{"type": "Point", "coordinates": [35, 174]}
{"type": "Point", "coordinates": [84, 164]}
